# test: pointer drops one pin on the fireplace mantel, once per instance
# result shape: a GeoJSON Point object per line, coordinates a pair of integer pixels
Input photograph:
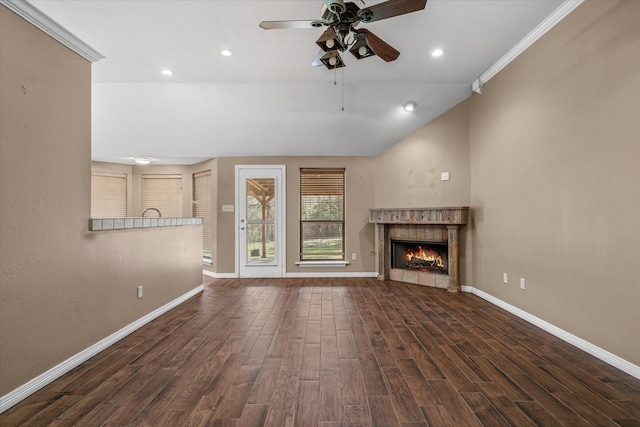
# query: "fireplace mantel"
{"type": "Point", "coordinates": [446, 216]}
{"type": "Point", "coordinates": [451, 218]}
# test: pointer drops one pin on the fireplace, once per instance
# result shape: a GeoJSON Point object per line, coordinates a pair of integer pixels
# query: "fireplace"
{"type": "Point", "coordinates": [427, 257]}
{"type": "Point", "coordinates": [420, 245]}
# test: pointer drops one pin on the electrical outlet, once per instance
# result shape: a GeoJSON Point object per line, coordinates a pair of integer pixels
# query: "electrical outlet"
{"type": "Point", "coordinates": [354, 257]}
{"type": "Point", "coordinates": [521, 283]}
{"type": "Point", "coordinates": [444, 176]}
{"type": "Point", "coordinates": [139, 292]}
{"type": "Point", "coordinates": [505, 279]}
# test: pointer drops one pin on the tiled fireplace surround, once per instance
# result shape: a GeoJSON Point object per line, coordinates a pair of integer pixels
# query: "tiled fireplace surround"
{"type": "Point", "coordinates": [420, 225]}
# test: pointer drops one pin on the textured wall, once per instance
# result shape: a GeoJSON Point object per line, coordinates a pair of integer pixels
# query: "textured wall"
{"type": "Point", "coordinates": [408, 173]}
{"type": "Point", "coordinates": [555, 181]}
{"type": "Point", "coordinates": [65, 288]}
{"type": "Point", "coordinates": [547, 159]}
{"type": "Point", "coordinates": [359, 234]}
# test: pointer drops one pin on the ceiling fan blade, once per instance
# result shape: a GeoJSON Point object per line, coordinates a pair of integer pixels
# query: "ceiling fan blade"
{"type": "Point", "coordinates": [278, 25]}
{"type": "Point", "coordinates": [390, 9]}
{"type": "Point", "coordinates": [379, 46]}
{"type": "Point", "coordinates": [316, 61]}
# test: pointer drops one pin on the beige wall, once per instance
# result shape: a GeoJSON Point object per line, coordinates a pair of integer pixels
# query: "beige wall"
{"type": "Point", "coordinates": [359, 234]}
{"type": "Point", "coordinates": [407, 175]}
{"type": "Point", "coordinates": [547, 158]}
{"type": "Point", "coordinates": [65, 288]}
{"type": "Point", "coordinates": [555, 178]}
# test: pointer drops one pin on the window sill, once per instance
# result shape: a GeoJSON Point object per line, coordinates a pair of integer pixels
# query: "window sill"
{"type": "Point", "coordinates": [339, 263]}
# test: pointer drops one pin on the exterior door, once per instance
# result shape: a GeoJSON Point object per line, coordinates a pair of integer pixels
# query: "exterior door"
{"type": "Point", "coordinates": [260, 233]}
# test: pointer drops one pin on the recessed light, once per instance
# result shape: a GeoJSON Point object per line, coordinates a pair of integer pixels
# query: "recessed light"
{"type": "Point", "coordinates": [225, 52]}
{"type": "Point", "coordinates": [409, 106]}
{"type": "Point", "coordinates": [167, 72]}
{"type": "Point", "coordinates": [142, 160]}
{"type": "Point", "coordinates": [437, 52]}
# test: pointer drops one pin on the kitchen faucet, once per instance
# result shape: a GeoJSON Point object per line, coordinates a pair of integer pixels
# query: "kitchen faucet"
{"type": "Point", "coordinates": [151, 209]}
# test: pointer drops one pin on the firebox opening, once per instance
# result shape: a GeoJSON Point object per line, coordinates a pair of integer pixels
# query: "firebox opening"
{"type": "Point", "coordinates": [429, 257]}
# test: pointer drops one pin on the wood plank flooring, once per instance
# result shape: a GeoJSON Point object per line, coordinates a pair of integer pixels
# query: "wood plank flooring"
{"type": "Point", "coordinates": [334, 353]}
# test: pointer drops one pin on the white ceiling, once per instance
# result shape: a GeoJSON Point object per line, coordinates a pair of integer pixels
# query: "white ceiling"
{"type": "Point", "coordinates": [266, 99]}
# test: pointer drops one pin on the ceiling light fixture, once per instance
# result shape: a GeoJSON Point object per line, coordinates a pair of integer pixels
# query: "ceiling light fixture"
{"type": "Point", "coordinates": [142, 160]}
{"type": "Point", "coordinates": [225, 52]}
{"type": "Point", "coordinates": [409, 106]}
{"type": "Point", "coordinates": [361, 48]}
{"type": "Point", "coordinates": [437, 52]}
{"type": "Point", "coordinates": [329, 40]}
{"type": "Point", "coordinates": [167, 72]}
{"type": "Point", "coordinates": [332, 59]}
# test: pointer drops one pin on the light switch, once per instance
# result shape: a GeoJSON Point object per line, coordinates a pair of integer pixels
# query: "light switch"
{"type": "Point", "coordinates": [227, 208]}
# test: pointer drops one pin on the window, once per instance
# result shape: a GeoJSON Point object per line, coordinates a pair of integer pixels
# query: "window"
{"type": "Point", "coordinates": [202, 209]}
{"type": "Point", "coordinates": [321, 214]}
{"type": "Point", "coordinates": [108, 195]}
{"type": "Point", "coordinates": [163, 192]}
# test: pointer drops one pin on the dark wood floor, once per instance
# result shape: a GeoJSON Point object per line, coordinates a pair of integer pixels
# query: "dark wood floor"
{"type": "Point", "coordinates": [335, 352]}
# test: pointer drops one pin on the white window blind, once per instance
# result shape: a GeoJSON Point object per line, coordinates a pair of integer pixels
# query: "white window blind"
{"type": "Point", "coordinates": [321, 214]}
{"type": "Point", "coordinates": [108, 195]}
{"type": "Point", "coordinates": [203, 209]}
{"type": "Point", "coordinates": [163, 192]}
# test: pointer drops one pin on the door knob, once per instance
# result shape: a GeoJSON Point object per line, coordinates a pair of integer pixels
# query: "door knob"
{"type": "Point", "coordinates": [241, 228]}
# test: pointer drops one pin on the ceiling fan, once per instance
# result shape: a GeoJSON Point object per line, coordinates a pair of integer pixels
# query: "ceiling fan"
{"type": "Point", "coordinates": [341, 19]}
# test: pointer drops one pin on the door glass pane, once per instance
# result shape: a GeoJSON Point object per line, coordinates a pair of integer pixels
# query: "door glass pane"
{"type": "Point", "coordinates": [261, 231]}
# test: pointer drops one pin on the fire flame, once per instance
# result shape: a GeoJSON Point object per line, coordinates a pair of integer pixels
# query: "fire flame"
{"type": "Point", "coordinates": [427, 255]}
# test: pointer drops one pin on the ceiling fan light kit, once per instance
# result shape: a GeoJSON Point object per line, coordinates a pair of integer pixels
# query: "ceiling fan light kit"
{"type": "Point", "coordinates": [361, 48]}
{"type": "Point", "coordinates": [332, 60]}
{"type": "Point", "coordinates": [329, 40]}
{"type": "Point", "coordinates": [341, 19]}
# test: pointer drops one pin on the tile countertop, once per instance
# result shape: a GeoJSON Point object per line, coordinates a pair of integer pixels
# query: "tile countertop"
{"type": "Point", "coordinates": [106, 224]}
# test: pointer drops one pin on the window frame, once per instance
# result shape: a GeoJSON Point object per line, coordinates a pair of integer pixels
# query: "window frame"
{"type": "Point", "coordinates": [305, 182]}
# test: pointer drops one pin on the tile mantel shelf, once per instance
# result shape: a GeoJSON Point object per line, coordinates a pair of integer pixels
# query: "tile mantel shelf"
{"type": "Point", "coordinates": [452, 218]}
{"type": "Point", "coordinates": [129, 223]}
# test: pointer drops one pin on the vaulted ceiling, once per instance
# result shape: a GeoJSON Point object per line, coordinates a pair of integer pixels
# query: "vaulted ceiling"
{"type": "Point", "coordinates": [266, 99]}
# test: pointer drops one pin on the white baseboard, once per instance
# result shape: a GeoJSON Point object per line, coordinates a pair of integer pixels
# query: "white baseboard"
{"type": "Point", "coordinates": [294, 275]}
{"type": "Point", "coordinates": [325, 275]}
{"type": "Point", "coordinates": [24, 391]}
{"type": "Point", "coordinates": [219, 275]}
{"type": "Point", "coordinates": [592, 349]}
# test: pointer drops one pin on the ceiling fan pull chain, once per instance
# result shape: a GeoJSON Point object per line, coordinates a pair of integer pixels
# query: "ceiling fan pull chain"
{"type": "Point", "coordinates": [342, 88]}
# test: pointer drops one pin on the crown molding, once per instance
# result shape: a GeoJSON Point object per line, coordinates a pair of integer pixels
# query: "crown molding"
{"type": "Point", "coordinates": [558, 15]}
{"type": "Point", "coordinates": [34, 16]}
